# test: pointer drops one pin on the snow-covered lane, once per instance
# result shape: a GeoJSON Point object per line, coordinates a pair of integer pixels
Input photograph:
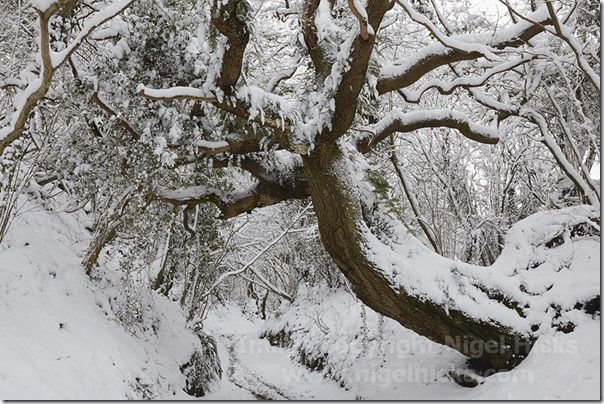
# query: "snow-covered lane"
{"type": "Point", "coordinates": [268, 373]}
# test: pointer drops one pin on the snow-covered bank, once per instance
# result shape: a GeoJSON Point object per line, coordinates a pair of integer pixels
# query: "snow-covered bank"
{"type": "Point", "coordinates": [62, 339]}
{"type": "Point", "coordinates": [59, 336]}
{"type": "Point", "coordinates": [255, 368]}
{"type": "Point", "coordinates": [376, 358]}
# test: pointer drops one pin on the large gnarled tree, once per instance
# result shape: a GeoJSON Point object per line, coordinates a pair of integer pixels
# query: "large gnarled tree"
{"type": "Point", "coordinates": [393, 273]}
{"type": "Point", "coordinates": [492, 314]}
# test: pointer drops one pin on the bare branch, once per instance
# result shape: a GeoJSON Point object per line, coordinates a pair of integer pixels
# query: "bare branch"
{"type": "Point", "coordinates": [550, 142]}
{"type": "Point", "coordinates": [109, 111]}
{"type": "Point", "coordinates": [257, 256]}
{"type": "Point", "coordinates": [423, 223]}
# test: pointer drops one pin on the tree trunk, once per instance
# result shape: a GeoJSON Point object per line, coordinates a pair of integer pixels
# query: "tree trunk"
{"type": "Point", "coordinates": [490, 345]}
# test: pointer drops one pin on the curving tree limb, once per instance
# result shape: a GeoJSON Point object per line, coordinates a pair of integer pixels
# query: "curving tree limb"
{"type": "Point", "coordinates": [12, 127]}
{"type": "Point", "coordinates": [431, 57]}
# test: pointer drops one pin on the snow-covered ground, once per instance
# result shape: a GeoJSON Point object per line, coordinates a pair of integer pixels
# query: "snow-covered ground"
{"type": "Point", "coordinates": [389, 362]}
{"type": "Point", "coordinates": [61, 339]}
{"type": "Point", "coordinates": [263, 371]}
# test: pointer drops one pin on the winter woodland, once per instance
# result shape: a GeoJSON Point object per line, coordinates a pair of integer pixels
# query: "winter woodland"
{"type": "Point", "coordinates": [300, 199]}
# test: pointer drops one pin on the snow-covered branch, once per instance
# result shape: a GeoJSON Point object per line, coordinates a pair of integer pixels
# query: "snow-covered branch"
{"type": "Point", "coordinates": [104, 15]}
{"type": "Point", "coordinates": [311, 39]}
{"type": "Point", "coordinates": [177, 93]}
{"type": "Point", "coordinates": [449, 42]}
{"type": "Point", "coordinates": [349, 77]}
{"type": "Point", "coordinates": [232, 204]}
{"type": "Point", "coordinates": [196, 195]}
{"type": "Point", "coordinates": [446, 88]}
{"type": "Point", "coordinates": [284, 75]}
{"type": "Point", "coordinates": [26, 100]}
{"type": "Point", "coordinates": [397, 121]}
{"type": "Point", "coordinates": [562, 31]}
{"type": "Point", "coordinates": [567, 36]}
{"type": "Point", "coordinates": [251, 103]}
{"type": "Point", "coordinates": [413, 67]}
{"type": "Point", "coordinates": [360, 14]}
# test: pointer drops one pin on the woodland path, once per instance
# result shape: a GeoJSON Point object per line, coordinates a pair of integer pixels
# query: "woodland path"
{"type": "Point", "coordinates": [268, 372]}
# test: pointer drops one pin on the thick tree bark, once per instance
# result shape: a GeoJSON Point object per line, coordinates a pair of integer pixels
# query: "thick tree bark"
{"type": "Point", "coordinates": [491, 345]}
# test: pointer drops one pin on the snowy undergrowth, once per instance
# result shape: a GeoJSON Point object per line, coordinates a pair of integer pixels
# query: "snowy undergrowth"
{"type": "Point", "coordinates": [376, 358]}
{"type": "Point", "coordinates": [255, 369]}
{"type": "Point", "coordinates": [61, 335]}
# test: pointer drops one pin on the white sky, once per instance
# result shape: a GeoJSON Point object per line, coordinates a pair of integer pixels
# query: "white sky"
{"type": "Point", "coordinates": [488, 6]}
{"type": "Point", "coordinates": [595, 171]}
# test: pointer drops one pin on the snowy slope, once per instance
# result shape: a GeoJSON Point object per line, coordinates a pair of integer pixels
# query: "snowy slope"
{"type": "Point", "coordinates": [256, 370]}
{"type": "Point", "coordinates": [59, 339]}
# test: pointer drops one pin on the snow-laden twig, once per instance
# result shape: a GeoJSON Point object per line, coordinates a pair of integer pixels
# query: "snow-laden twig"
{"type": "Point", "coordinates": [258, 255]}
{"type": "Point", "coordinates": [28, 99]}
{"type": "Point", "coordinates": [449, 42]}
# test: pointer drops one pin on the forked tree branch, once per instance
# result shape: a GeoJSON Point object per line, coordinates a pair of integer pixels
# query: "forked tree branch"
{"type": "Point", "coordinates": [361, 15]}
{"type": "Point", "coordinates": [431, 57]}
{"type": "Point", "coordinates": [353, 78]}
